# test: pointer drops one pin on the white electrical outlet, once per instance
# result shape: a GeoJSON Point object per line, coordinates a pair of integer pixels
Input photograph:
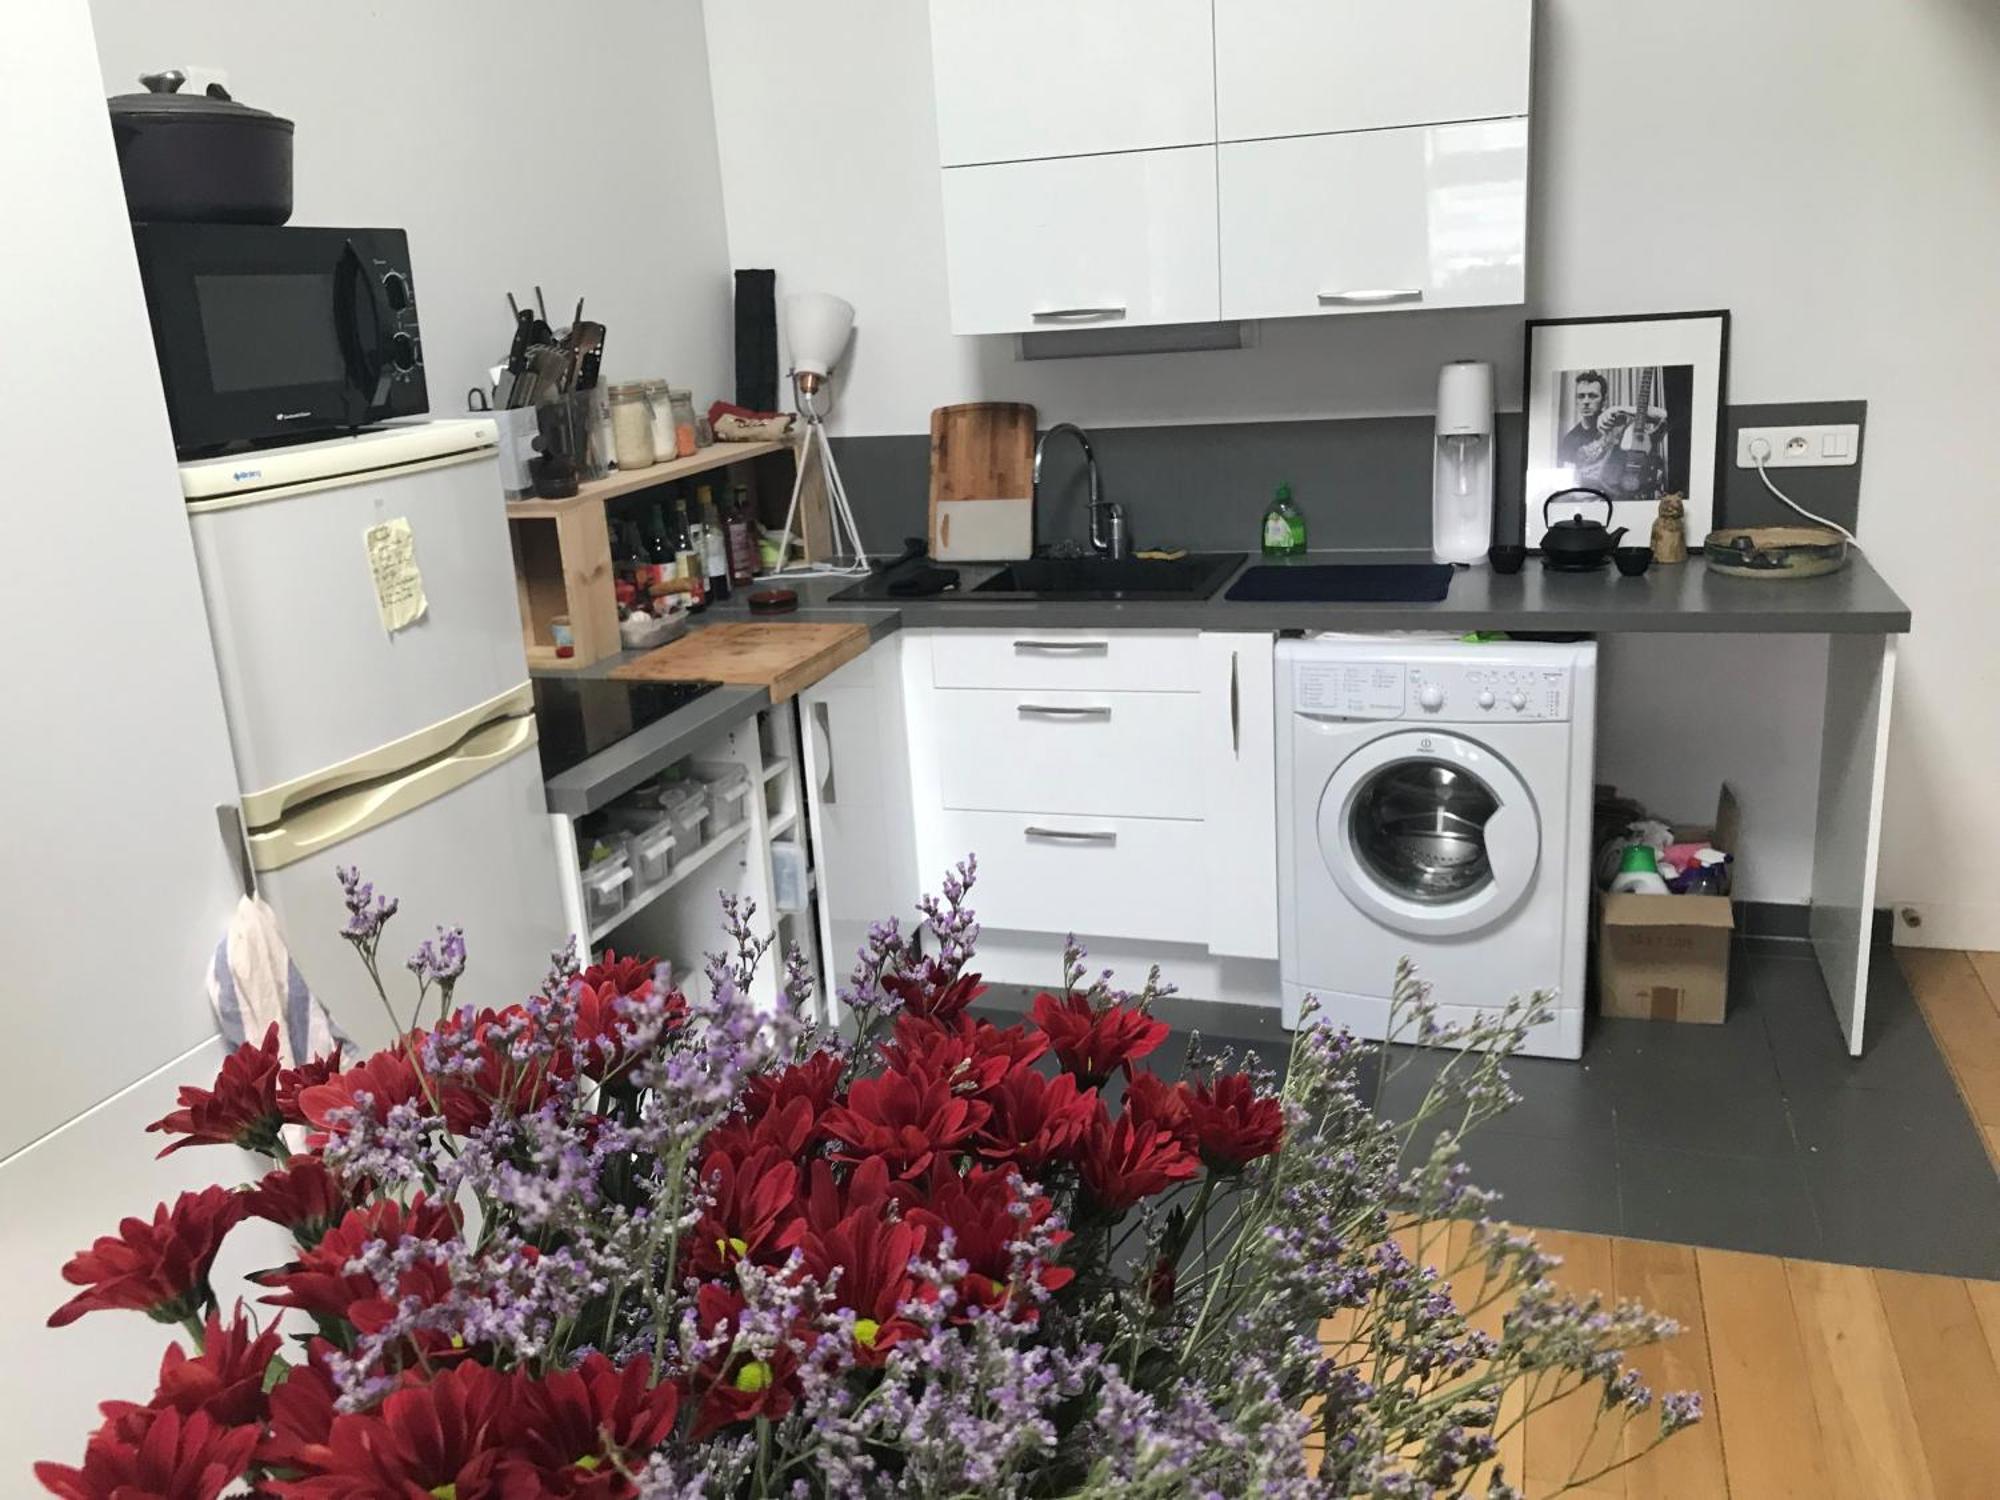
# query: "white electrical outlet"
{"type": "Point", "coordinates": [1799, 447]}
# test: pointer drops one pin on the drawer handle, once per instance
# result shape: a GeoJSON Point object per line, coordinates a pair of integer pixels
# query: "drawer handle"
{"type": "Point", "coordinates": [1077, 314]}
{"type": "Point", "coordinates": [1060, 711]}
{"type": "Point", "coordinates": [1070, 835]}
{"type": "Point", "coordinates": [1062, 648]}
{"type": "Point", "coordinates": [1373, 296]}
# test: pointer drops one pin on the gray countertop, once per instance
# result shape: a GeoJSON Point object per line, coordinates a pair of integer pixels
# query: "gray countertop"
{"type": "Point", "coordinates": [1687, 599]}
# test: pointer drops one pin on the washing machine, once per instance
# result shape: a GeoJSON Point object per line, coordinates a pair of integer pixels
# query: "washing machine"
{"type": "Point", "coordinates": [1434, 802]}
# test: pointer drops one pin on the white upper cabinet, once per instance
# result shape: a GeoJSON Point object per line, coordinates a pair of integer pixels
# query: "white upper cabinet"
{"type": "Point", "coordinates": [1082, 241]}
{"type": "Point", "coordinates": [1036, 78]}
{"type": "Point", "coordinates": [1434, 216]}
{"type": "Point", "coordinates": [1308, 67]}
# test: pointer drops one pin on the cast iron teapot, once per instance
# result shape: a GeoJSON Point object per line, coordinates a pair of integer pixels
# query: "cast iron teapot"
{"type": "Point", "coordinates": [1576, 545]}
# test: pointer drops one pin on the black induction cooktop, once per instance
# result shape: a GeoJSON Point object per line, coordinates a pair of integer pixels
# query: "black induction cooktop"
{"type": "Point", "coordinates": [579, 716]}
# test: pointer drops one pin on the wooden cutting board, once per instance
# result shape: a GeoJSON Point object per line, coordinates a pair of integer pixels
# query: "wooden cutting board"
{"type": "Point", "coordinates": [781, 656]}
{"type": "Point", "coordinates": [980, 451]}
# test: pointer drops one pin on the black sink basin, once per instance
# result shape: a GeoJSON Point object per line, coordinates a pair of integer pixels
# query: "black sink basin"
{"type": "Point", "coordinates": [1195, 576]}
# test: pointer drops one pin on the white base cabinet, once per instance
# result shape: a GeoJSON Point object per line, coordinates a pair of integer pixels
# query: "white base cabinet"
{"type": "Point", "coordinates": [1236, 749]}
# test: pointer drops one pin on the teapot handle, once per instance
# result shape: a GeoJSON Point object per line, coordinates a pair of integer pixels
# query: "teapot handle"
{"type": "Point", "coordinates": [1598, 495]}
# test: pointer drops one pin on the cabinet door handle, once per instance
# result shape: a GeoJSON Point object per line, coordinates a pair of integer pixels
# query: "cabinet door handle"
{"type": "Point", "coordinates": [1235, 709]}
{"type": "Point", "coordinates": [824, 742]}
{"type": "Point", "coordinates": [1077, 314]}
{"type": "Point", "coordinates": [1070, 835]}
{"type": "Point", "coordinates": [1061, 711]}
{"type": "Point", "coordinates": [1372, 296]}
{"type": "Point", "coordinates": [1062, 648]}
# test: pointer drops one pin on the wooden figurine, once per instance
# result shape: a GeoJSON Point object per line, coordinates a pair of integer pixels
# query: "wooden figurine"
{"type": "Point", "coordinates": [1670, 531]}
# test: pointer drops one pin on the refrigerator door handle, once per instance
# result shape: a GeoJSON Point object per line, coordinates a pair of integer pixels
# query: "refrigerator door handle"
{"type": "Point", "coordinates": [331, 820]}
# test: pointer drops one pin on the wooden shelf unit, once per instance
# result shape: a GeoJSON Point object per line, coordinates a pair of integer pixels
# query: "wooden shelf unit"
{"type": "Point", "coordinates": [562, 553]}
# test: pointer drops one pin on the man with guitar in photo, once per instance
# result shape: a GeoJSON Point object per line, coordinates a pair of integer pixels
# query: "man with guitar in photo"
{"type": "Point", "coordinates": [1621, 449]}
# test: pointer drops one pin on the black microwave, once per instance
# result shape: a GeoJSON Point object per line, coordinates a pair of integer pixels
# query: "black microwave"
{"type": "Point", "coordinates": [271, 334]}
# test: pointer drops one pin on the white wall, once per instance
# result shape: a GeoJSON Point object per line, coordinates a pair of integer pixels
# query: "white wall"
{"type": "Point", "coordinates": [1824, 168]}
{"type": "Point", "coordinates": [114, 884]}
{"type": "Point", "coordinates": [449, 119]}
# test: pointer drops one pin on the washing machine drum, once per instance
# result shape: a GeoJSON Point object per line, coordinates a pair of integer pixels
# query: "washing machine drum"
{"type": "Point", "coordinates": [1429, 833]}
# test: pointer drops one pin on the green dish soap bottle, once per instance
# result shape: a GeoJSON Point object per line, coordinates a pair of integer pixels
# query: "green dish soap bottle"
{"type": "Point", "coordinates": [1284, 526]}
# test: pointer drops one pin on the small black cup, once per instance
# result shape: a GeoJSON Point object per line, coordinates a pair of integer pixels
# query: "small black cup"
{"type": "Point", "coordinates": [1507, 557]}
{"type": "Point", "coordinates": [1632, 561]}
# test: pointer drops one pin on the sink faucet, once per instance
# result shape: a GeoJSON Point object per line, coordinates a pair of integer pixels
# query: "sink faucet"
{"type": "Point", "coordinates": [1107, 518]}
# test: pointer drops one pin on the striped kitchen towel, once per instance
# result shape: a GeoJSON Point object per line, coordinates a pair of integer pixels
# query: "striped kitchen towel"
{"type": "Point", "coordinates": [253, 982]}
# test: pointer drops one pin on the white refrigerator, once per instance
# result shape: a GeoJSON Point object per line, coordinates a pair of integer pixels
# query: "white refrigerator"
{"type": "Point", "coordinates": [361, 597]}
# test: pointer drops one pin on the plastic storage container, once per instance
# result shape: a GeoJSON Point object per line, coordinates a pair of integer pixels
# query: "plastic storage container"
{"type": "Point", "coordinates": [728, 787]}
{"type": "Point", "coordinates": [686, 806]}
{"type": "Point", "coordinates": [607, 886]}
{"type": "Point", "coordinates": [653, 853]}
{"type": "Point", "coordinates": [788, 877]}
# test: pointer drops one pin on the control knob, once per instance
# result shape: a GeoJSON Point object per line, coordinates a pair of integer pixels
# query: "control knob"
{"type": "Point", "coordinates": [1431, 696]}
{"type": "Point", "coordinates": [1518, 702]}
{"type": "Point", "coordinates": [403, 351]}
{"type": "Point", "coordinates": [1485, 698]}
{"type": "Point", "coordinates": [396, 290]}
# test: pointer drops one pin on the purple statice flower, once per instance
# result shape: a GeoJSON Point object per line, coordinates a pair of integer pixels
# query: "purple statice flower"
{"type": "Point", "coordinates": [367, 913]}
{"type": "Point", "coordinates": [1679, 1409]}
{"type": "Point", "coordinates": [439, 960]}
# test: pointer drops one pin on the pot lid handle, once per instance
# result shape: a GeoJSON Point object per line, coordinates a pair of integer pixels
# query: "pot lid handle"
{"type": "Point", "coordinates": [1598, 495]}
{"type": "Point", "coordinates": [168, 81]}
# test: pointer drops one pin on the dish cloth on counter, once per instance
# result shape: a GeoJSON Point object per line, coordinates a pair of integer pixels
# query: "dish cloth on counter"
{"type": "Point", "coordinates": [253, 982]}
{"type": "Point", "coordinates": [1344, 583]}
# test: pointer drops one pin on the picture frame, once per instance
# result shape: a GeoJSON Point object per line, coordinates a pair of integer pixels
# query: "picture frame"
{"type": "Point", "coordinates": [1585, 383]}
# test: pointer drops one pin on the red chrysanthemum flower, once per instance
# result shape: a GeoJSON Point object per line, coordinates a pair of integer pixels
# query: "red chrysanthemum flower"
{"type": "Point", "coordinates": [739, 1386]}
{"type": "Point", "coordinates": [816, 1081]}
{"type": "Point", "coordinates": [302, 1414]}
{"type": "Point", "coordinates": [158, 1268]}
{"type": "Point", "coordinates": [790, 1130]}
{"type": "Point", "coordinates": [970, 1054]}
{"type": "Point", "coordinates": [933, 997]}
{"type": "Point", "coordinates": [1125, 1161]}
{"type": "Point", "coordinates": [905, 1121]}
{"type": "Point", "coordinates": [224, 1382]}
{"type": "Point", "coordinates": [580, 1431]}
{"type": "Point", "coordinates": [826, 1202]}
{"type": "Point", "coordinates": [1151, 1100]}
{"type": "Point", "coordinates": [304, 1197]}
{"type": "Point", "coordinates": [621, 976]}
{"type": "Point", "coordinates": [162, 1456]}
{"type": "Point", "coordinates": [871, 1256]}
{"type": "Point", "coordinates": [499, 1085]}
{"type": "Point", "coordinates": [1035, 1119]}
{"type": "Point", "coordinates": [448, 1436]}
{"type": "Point", "coordinates": [749, 1201]}
{"type": "Point", "coordinates": [979, 1209]}
{"type": "Point", "coordinates": [293, 1082]}
{"type": "Point", "coordinates": [1094, 1044]}
{"type": "Point", "coordinates": [319, 1284]}
{"type": "Point", "coordinates": [1233, 1125]}
{"type": "Point", "coordinates": [605, 1015]}
{"type": "Point", "coordinates": [239, 1109]}
{"type": "Point", "coordinates": [373, 1087]}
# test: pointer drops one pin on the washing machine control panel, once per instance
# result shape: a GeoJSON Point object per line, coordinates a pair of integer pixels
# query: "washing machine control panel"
{"type": "Point", "coordinates": [1456, 692]}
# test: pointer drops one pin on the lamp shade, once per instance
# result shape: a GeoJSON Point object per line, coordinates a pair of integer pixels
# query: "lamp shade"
{"type": "Point", "coordinates": [817, 326]}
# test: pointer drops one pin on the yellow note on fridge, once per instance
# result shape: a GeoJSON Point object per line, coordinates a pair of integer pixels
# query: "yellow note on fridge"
{"type": "Point", "coordinates": [399, 585]}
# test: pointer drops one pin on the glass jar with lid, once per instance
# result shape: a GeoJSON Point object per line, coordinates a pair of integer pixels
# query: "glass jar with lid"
{"type": "Point", "coordinates": [663, 419]}
{"type": "Point", "coordinates": [632, 426]}
{"type": "Point", "coordinates": [682, 400]}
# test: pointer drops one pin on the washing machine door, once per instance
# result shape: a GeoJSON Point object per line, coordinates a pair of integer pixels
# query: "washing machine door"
{"type": "Point", "coordinates": [1429, 833]}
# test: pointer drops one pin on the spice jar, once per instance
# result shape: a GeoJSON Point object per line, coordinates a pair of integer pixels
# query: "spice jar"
{"type": "Point", "coordinates": [632, 426]}
{"type": "Point", "coordinates": [663, 419]}
{"type": "Point", "coordinates": [683, 407]}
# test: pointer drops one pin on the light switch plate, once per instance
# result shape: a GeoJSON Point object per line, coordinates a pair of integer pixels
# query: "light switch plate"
{"type": "Point", "coordinates": [1838, 446]}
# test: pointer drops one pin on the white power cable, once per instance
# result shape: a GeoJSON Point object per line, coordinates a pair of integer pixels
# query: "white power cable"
{"type": "Point", "coordinates": [1758, 444]}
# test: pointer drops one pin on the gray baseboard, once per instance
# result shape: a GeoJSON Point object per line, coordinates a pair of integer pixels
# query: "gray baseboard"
{"type": "Point", "coordinates": [1793, 921]}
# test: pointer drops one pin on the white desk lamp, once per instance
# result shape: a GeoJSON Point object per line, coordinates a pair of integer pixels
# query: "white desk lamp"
{"type": "Point", "coordinates": [817, 327]}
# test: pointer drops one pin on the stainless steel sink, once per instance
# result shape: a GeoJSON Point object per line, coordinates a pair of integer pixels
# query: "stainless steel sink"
{"type": "Point", "coordinates": [1195, 576]}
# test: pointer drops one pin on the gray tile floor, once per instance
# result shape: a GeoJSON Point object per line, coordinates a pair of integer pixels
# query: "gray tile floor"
{"type": "Point", "coordinates": [1760, 1134]}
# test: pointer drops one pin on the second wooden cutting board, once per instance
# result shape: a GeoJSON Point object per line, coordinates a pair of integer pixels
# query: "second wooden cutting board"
{"type": "Point", "coordinates": [782, 656]}
{"type": "Point", "coordinates": [982, 482]}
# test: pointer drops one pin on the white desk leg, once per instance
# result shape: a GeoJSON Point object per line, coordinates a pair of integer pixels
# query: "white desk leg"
{"type": "Point", "coordinates": [1860, 676]}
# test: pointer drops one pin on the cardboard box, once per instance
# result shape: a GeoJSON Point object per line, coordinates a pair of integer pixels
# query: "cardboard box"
{"type": "Point", "coordinates": [1666, 958]}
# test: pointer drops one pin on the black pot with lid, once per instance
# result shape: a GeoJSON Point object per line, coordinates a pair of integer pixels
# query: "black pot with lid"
{"type": "Point", "coordinates": [1576, 544]}
{"type": "Point", "coordinates": [201, 158]}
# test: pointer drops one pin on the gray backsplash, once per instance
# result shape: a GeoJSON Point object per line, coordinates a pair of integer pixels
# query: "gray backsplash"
{"type": "Point", "coordinates": [1362, 482]}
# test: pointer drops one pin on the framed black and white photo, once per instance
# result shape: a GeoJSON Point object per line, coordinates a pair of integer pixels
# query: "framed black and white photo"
{"type": "Point", "coordinates": [1631, 406]}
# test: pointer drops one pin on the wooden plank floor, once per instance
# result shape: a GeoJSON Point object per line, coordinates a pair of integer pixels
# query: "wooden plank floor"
{"type": "Point", "coordinates": [1820, 1382]}
{"type": "Point", "coordinates": [1959, 994]}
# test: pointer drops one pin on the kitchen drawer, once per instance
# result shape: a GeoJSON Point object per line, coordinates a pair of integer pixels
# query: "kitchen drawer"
{"type": "Point", "coordinates": [1152, 661]}
{"type": "Point", "coordinates": [1055, 750]}
{"type": "Point", "coordinates": [1435, 216]}
{"type": "Point", "coordinates": [1307, 67]}
{"type": "Point", "coordinates": [1083, 241]}
{"type": "Point", "coordinates": [1112, 877]}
